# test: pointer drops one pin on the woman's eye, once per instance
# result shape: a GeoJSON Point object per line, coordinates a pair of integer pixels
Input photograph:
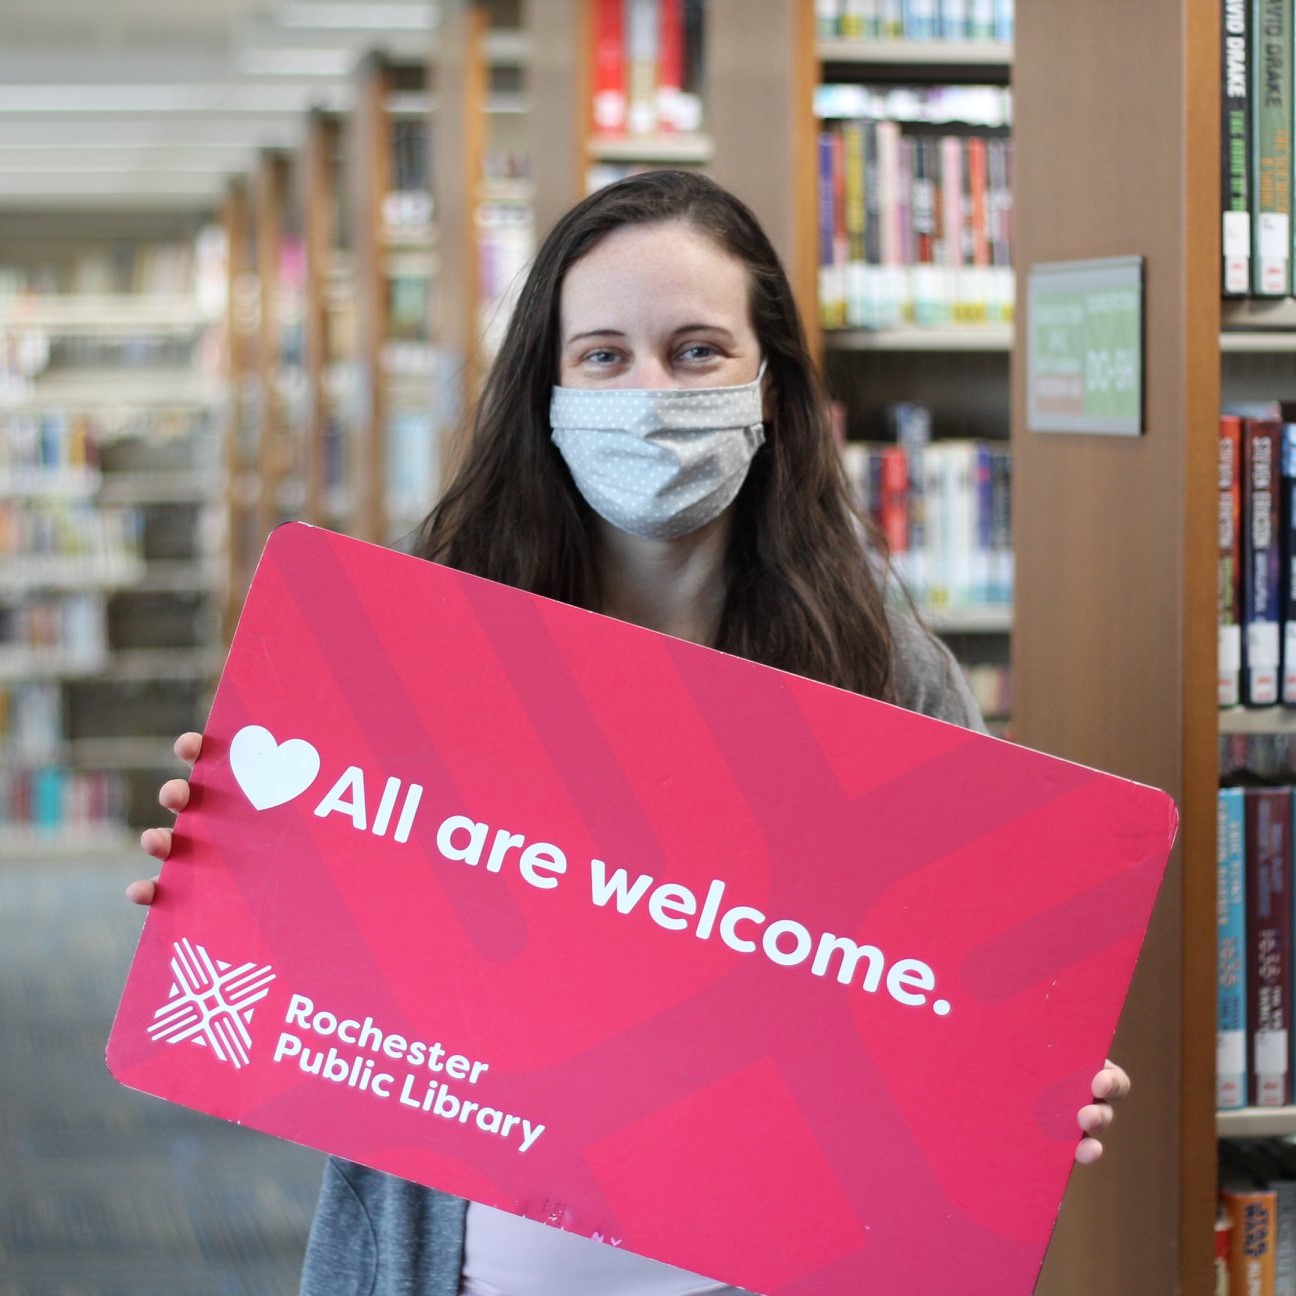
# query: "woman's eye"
{"type": "Point", "coordinates": [601, 357]}
{"type": "Point", "coordinates": [699, 351]}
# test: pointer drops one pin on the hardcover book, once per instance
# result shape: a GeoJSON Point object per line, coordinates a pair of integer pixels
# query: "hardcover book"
{"type": "Point", "coordinates": [1268, 841]}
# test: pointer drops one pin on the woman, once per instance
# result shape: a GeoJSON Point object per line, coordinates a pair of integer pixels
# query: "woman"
{"type": "Point", "coordinates": [652, 443]}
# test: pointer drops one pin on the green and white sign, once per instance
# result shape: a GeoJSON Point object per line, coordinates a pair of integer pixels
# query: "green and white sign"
{"type": "Point", "coordinates": [1084, 347]}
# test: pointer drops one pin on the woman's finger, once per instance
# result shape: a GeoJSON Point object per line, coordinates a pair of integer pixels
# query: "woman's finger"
{"type": "Point", "coordinates": [1088, 1150]}
{"type": "Point", "coordinates": [142, 891]}
{"type": "Point", "coordinates": [156, 842]}
{"type": "Point", "coordinates": [174, 794]}
{"type": "Point", "coordinates": [1111, 1084]}
{"type": "Point", "coordinates": [1095, 1118]}
{"type": "Point", "coordinates": [187, 747]}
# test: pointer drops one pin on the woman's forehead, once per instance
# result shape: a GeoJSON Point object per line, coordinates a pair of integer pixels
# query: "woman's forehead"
{"type": "Point", "coordinates": [649, 271]}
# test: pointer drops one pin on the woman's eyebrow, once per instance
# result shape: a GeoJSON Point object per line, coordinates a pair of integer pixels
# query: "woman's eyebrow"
{"type": "Point", "coordinates": [591, 333]}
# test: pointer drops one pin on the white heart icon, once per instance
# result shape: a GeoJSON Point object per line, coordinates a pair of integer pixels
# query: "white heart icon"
{"type": "Point", "coordinates": [271, 773]}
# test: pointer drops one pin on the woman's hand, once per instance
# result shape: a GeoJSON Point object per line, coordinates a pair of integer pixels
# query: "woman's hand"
{"type": "Point", "coordinates": [173, 796]}
{"type": "Point", "coordinates": [1110, 1085]}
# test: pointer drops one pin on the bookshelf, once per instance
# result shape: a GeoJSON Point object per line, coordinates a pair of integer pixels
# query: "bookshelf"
{"type": "Point", "coordinates": [109, 426]}
{"type": "Point", "coordinates": [1114, 631]}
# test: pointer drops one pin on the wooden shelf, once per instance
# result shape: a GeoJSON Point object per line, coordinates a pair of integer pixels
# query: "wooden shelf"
{"type": "Point", "coordinates": [179, 664]}
{"type": "Point", "coordinates": [120, 753]}
{"type": "Point", "coordinates": [1257, 720]}
{"type": "Point", "coordinates": [59, 572]}
{"type": "Point", "coordinates": [1256, 1122]}
{"type": "Point", "coordinates": [161, 487]}
{"type": "Point", "coordinates": [70, 843]}
{"type": "Point", "coordinates": [679, 150]}
{"type": "Point", "coordinates": [953, 338]}
{"type": "Point", "coordinates": [18, 662]}
{"type": "Point", "coordinates": [932, 56]}
{"type": "Point", "coordinates": [988, 620]}
{"type": "Point", "coordinates": [1250, 313]}
{"type": "Point", "coordinates": [125, 314]}
{"type": "Point", "coordinates": [49, 483]}
{"type": "Point", "coordinates": [1258, 342]}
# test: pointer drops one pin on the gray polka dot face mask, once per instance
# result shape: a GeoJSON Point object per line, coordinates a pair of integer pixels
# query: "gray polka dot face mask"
{"type": "Point", "coordinates": [658, 462]}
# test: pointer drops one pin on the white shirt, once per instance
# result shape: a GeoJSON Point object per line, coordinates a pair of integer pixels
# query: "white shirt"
{"type": "Point", "coordinates": [506, 1255]}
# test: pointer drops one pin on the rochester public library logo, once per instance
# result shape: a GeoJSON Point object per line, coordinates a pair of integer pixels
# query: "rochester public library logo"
{"type": "Point", "coordinates": [211, 1003]}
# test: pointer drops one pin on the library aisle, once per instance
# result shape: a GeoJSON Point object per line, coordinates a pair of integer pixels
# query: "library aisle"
{"type": "Point", "coordinates": [105, 1192]}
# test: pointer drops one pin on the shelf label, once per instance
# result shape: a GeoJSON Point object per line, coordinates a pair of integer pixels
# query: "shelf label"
{"type": "Point", "coordinates": [1084, 346]}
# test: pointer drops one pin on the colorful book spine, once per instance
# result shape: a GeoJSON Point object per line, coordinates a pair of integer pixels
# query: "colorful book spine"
{"type": "Point", "coordinates": [1268, 845]}
{"type": "Point", "coordinates": [1253, 1258]}
{"type": "Point", "coordinates": [831, 295]}
{"type": "Point", "coordinates": [1235, 152]}
{"type": "Point", "coordinates": [1231, 1087]}
{"type": "Point", "coordinates": [609, 67]}
{"type": "Point", "coordinates": [1229, 653]}
{"type": "Point", "coordinates": [670, 64]}
{"type": "Point", "coordinates": [1271, 116]}
{"type": "Point", "coordinates": [1261, 568]}
{"type": "Point", "coordinates": [1287, 546]}
{"type": "Point", "coordinates": [641, 60]}
{"type": "Point", "coordinates": [855, 288]}
{"type": "Point", "coordinates": [1284, 1236]}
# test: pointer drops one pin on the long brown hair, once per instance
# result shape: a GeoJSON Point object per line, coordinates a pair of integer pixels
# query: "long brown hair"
{"type": "Point", "coordinates": [801, 592]}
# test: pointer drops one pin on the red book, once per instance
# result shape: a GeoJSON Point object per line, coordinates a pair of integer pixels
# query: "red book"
{"type": "Point", "coordinates": [1269, 931]}
{"type": "Point", "coordinates": [1230, 521]}
{"type": "Point", "coordinates": [670, 65]}
{"type": "Point", "coordinates": [609, 67]}
{"type": "Point", "coordinates": [893, 515]}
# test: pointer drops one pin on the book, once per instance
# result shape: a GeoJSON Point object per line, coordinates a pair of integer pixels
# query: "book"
{"type": "Point", "coordinates": [1285, 1236]}
{"type": "Point", "coordinates": [641, 48]}
{"type": "Point", "coordinates": [1268, 849]}
{"type": "Point", "coordinates": [609, 67]}
{"type": "Point", "coordinates": [1252, 1260]}
{"type": "Point", "coordinates": [1271, 146]}
{"type": "Point", "coordinates": [1229, 519]}
{"type": "Point", "coordinates": [1235, 152]}
{"type": "Point", "coordinates": [1231, 1086]}
{"type": "Point", "coordinates": [1287, 548]}
{"type": "Point", "coordinates": [1261, 570]}
{"type": "Point", "coordinates": [670, 65]}
{"type": "Point", "coordinates": [1223, 1250]}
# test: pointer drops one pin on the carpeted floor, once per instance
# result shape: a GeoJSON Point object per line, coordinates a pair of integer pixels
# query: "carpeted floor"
{"type": "Point", "coordinates": [106, 1192]}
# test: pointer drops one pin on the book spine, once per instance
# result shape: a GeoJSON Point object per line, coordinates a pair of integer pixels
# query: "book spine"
{"type": "Point", "coordinates": [1253, 1251]}
{"type": "Point", "coordinates": [890, 250]}
{"type": "Point", "coordinates": [894, 519]}
{"type": "Point", "coordinates": [670, 64]}
{"type": "Point", "coordinates": [609, 67]}
{"type": "Point", "coordinates": [1229, 653]}
{"type": "Point", "coordinates": [1284, 1236]}
{"type": "Point", "coordinates": [924, 211]}
{"type": "Point", "coordinates": [1287, 553]}
{"type": "Point", "coordinates": [1261, 644]}
{"type": "Point", "coordinates": [689, 107]}
{"type": "Point", "coordinates": [641, 33]}
{"type": "Point", "coordinates": [828, 19]}
{"type": "Point", "coordinates": [829, 291]}
{"type": "Point", "coordinates": [1267, 841]}
{"type": "Point", "coordinates": [872, 230]}
{"type": "Point", "coordinates": [1235, 152]}
{"type": "Point", "coordinates": [1272, 145]}
{"type": "Point", "coordinates": [840, 249]}
{"type": "Point", "coordinates": [953, 225]}
{"type": "Point", "coordinates": [856, 291]}
{"type": "Point", "coordinates": [1231, 1086]}
{"type": "Point", "coordinates": [1223, 1252]}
